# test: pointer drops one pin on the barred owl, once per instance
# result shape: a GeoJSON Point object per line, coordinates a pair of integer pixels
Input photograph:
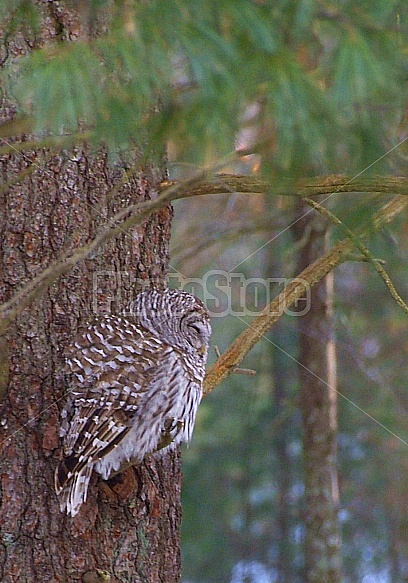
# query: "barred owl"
{"type": "Point", "coordinates": [136, 386]}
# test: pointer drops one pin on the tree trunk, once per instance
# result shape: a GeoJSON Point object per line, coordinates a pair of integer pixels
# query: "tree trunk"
{"type": "Point", "coordinates": [129, 528]}
{"type": "Point", "coordinates": [318, 399]}
{"type": "Point", "coordinates": [283, 379]}
{"type": "Point", "coordinates": [283, 477]}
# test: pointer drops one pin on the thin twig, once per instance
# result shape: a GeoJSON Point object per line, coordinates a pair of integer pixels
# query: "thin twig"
{"type": "Point", "coordinates": [364, 250]}
{"type": "Point", "coordinates": [57, 143]}
{"type": "Point", "coordinates": [243, 371]}
{"type": "Point", "coordinates": [21, 175]}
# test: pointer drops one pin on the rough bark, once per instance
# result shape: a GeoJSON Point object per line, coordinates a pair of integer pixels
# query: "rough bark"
{"type": "Point", "coordinates": [129, 528]}
{"type": "Point", "coordinates": [318, 405]}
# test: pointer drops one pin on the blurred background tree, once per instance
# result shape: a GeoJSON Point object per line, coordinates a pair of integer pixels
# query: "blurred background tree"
{"type": "Point", "coordinates": [299, 89]}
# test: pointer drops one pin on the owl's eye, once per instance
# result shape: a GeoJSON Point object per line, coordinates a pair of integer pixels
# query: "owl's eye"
{"type": "Point", "coordinates": [195, 327]}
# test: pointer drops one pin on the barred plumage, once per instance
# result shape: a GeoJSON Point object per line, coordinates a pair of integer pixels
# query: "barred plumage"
{"type": "Point", "coordinates": [137, 383]}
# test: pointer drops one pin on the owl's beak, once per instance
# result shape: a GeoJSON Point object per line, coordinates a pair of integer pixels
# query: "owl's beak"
{"type": "Point", "coordinates": [202, 350]}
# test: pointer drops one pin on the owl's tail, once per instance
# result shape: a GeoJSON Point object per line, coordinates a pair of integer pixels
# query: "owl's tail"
{"type": "Point", "coordinates": [71, 484]}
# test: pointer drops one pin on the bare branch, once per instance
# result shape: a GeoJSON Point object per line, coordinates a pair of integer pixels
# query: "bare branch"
{"type": "Point", "coordinates": [234, 355]}
{"type": "Point", "coordinates": [335, 183]}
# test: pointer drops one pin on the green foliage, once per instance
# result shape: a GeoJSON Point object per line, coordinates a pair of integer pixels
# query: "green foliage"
{"type": "Point", "coordinates": [302, 135]}
{"type": "Point", "coordinates": [359, 74]}
{"type": "Point", "coordinates": [327, 80]}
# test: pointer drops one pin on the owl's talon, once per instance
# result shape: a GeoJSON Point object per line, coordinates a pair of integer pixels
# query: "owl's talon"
{"type": "Point", "coordinates": [172, 428]}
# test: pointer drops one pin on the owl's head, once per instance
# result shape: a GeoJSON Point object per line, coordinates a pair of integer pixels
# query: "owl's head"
{"type": "Point", "coordinates": [177, 318]}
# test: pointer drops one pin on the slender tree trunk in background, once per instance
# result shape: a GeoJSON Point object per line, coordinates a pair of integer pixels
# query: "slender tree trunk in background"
{"type": "Point", "coordinates": [283, 377]}
{"type": "Point", "coordinates": [395, 570]}
{"type": "Point", "coordinates": [395, 499]}
{"type": "Point", "coordinates": [318, 401]}
{"type": "Point", "coordinates": [130, 526]}
{"type": "Point", "coordinates": [281, 382]}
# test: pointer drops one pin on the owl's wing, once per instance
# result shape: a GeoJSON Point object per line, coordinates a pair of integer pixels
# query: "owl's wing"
{"type": "Point", "coordinates": [112, 364]}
